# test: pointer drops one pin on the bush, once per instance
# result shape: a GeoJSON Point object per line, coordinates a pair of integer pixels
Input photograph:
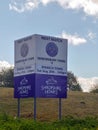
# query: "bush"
{"type": "Point", "coordinates": [68, 123]}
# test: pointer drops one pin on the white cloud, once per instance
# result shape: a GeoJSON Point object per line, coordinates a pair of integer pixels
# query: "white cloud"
{"type": "Point", "coordinates": [88, 84]}
{"type": "Point", "coordinates": [91, 35]}
{"type": "Point", "coordinates": [45, 2]}
{"type": "Point", "coordinates": [73, 39]}
{"type": "Point", "coordinates": [31, 4]}
{"type": "Point", "coordinates": [25, 5]}
{"type": "Point", "coordinates": [90, 7]}
{"type": "Point", "coordinates": [96, 1]}
{"type": "Point", "coordinates": [4, 65]}
{"type": "Point", "coordinates": [16, 7]}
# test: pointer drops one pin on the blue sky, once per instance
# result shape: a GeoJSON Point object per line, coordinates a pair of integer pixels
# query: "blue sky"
{"type": "Point", "coordinates": [72, 19]}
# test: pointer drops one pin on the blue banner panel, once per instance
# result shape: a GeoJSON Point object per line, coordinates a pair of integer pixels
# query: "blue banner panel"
{"type": "Point", "coordinates": [24, 86]}
{"type": "Point", "coordinates": [51, 86]}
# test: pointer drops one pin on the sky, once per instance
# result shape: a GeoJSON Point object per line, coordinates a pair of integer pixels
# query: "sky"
{"type": "Point", "coordinates": [72, 19]}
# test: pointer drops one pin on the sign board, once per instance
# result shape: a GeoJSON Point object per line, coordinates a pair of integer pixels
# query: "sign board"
{"type": "Point", "coordinates": [40, 67]}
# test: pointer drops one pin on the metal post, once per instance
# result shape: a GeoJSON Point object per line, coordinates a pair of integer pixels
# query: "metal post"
{"type": "Point", "coordinates": [18, 112]}
{"type": "Point", "coordinates": [35, 109]}
{"type": "Point", "coordinates": [60, 109]}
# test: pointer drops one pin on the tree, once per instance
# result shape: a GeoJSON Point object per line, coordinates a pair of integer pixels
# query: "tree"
{"type": "Point", "coordinates": [1, 79]}
{"type": "Point", "coordinates": [72, 82]}
{"type": "Point", "coordinates": [7, 77]}
{"type": "Point", "coordinates": [95, 89]}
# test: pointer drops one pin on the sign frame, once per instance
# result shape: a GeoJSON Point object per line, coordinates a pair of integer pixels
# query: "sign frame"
{"type": "Point", "coordinates": [40, 67]}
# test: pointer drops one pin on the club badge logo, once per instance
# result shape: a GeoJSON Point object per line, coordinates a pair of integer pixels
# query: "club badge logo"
{"type": "Point", "coordinates": [52, 49]}
{"type": "Point", "coordinates": [24, 50]}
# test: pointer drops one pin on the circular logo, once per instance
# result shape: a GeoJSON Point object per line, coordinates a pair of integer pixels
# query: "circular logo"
{"type": "Point", "coordinates": [52, 49]}
{"type": "Point", "coordinates": [24, 50]}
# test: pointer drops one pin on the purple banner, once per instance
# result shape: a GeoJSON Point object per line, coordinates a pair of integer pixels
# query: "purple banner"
{"type": "Point", "coordinates": [51, 86]}
{"type": "Point", "coordinates": [40, 85]}
{"type": "Point", "coordinates": [24, 86]}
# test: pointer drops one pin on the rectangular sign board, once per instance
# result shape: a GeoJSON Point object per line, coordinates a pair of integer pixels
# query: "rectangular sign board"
{"type": "Point", "coordinates": [40, 67]}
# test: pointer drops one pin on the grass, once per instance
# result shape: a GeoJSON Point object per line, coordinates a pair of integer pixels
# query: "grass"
{"type": "Point", "coordinates": [68, 123]}
{"type": "Point", "coordinates": [79, 112]}
{"type": "Point", "coordinates": [77, 105]}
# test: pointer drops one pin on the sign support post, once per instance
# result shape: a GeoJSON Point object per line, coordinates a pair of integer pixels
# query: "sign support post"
{"type": "Point", "coordinates": [18, 112]}
{"type": "Point", "coordinates": [60, 108]}
{"type": "Point", "coordinates": [34, 108]}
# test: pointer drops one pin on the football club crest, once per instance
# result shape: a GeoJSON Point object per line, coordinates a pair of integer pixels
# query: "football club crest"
{"type": "Point", "coordinates": [52, 49]}
{"type": "Point", "coordinates": [24, 50]}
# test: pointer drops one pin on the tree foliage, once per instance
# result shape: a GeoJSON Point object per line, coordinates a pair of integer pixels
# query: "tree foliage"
{"type": "Point", "coordinates": [95, 89]}
{"type": "Point", "coordinates": [72, 82]}
{"type": "Point", "coordinates": [6, 77]}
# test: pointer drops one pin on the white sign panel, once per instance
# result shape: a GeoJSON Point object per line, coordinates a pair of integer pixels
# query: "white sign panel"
{"type": "Point", "coordinates": [24, 56]}
{"type": "Point", "coordinates": [51, 56]}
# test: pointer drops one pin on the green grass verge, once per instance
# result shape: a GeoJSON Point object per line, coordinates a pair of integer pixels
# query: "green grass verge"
{"type": "Point", "coordinates": [68, 123]}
